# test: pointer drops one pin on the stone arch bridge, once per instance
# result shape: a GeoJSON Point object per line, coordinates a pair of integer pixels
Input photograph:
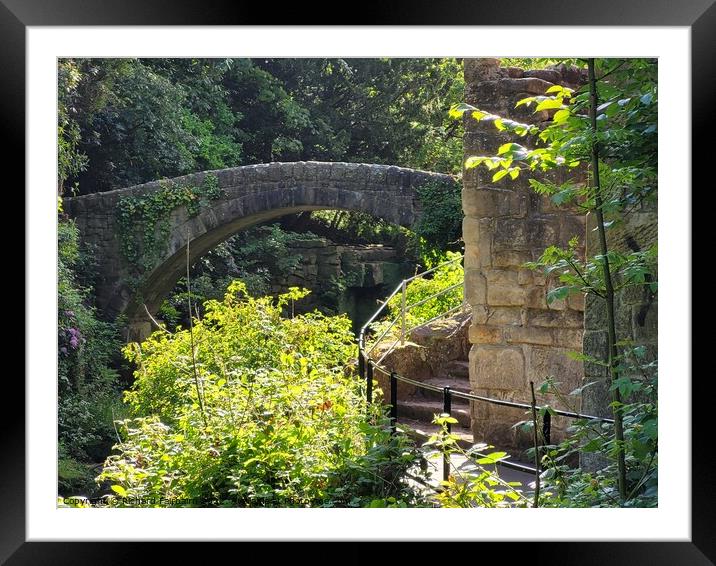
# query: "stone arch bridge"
{"type": "Point", "coordinates": [245, 196]}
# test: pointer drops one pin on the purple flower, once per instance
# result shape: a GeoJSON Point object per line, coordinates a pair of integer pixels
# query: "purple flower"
{"type": "Point", "coordinates": [63, 350]}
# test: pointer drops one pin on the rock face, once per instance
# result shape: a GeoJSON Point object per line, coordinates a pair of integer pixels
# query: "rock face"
{"type": "Point", "coordinates": [344, 278]}
{"type": "Point", "coordinates": [516, 336]}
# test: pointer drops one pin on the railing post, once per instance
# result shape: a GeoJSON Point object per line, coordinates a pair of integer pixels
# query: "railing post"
{"type": "Point", "coordinates": [447, 409]}
{"type": "Point", "coordinates": [361, 364]}
{"type": "Point", "coordinates": [402, 314]}
{"type": "Point", "coordinates": [369, 382]}
{"type": "Point", "coordinates": [547, 428]}
{"type": "Point", "coordinates": [393, 402]}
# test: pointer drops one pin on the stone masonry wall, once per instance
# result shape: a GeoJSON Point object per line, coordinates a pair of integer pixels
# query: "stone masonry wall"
{"type": "Point", "coordinates": [636, 312]}
{"type": "Point", "coordinates": [516, 336]}
{"type": "Point", "coordinates": [323, 264]}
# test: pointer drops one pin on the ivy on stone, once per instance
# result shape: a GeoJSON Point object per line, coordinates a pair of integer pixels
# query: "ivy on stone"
{"type": "Point", "coordinates": [144, 220]}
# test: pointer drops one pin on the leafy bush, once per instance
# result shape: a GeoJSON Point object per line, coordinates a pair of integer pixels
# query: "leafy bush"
{"type": "Point", "coordinates": [86, 347]}
{"type": "Point", "coordinates": [573, 487]}
{"type": "Point", "coordinates": [251, 409]}
{"type": "Point", "coordinates": [257, 256]}
{"type": "Point", "coordinates": [472, 484]}
{"type": "Point", "coordinates": [439, 227]}
{"type": "Point", "coordinates": [422, 289]}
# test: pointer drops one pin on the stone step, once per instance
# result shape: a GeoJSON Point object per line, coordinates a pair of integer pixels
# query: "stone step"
{"type": "Point", "coordinates": [421, 431]}
{"type": "Point", "coordinates": [454, 384]}
{"type": "Point", "coordinates": [458, 369]}
{"type": "Point", "coordinates": [425, 410]}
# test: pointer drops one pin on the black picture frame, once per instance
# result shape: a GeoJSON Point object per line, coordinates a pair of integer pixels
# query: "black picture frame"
{"type": "Point", "coordinates": [699, 15]}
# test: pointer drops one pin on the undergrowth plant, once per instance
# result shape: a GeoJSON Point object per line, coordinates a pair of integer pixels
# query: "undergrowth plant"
{"type": "Point", "coordinates": [422, 290]}
{"type": "Point", "coordinates": [477, 482]}
{"type": "Point", "coordinates": [275, 421]}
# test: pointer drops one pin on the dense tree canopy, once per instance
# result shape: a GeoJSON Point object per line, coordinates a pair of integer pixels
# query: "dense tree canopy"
{"type": "Point", "coordinates": [127, 121]}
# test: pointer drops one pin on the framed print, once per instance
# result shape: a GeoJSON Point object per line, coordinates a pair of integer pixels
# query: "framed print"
{"type": "Point", "coordinates": [266, 254]}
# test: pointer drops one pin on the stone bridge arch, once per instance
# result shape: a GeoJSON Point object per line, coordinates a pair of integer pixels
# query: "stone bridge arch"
{"type": "Point", "coordinates": [248, 195]}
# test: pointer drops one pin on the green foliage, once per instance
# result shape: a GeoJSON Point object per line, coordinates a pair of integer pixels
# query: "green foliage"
{"type": "Point", "coordinates": [476, 484]}
{"type": "Point", "coordinates": [572, 487]}
{"type": "Point", "coordinates": [252, 409]}
{"type": "Point", "coordinates": [529, 64]}
{"type": "Point", "coordinates": [70, 161]}
{"type": "Point", "coordinates": [440, 224]}
{"type": "Point", "coordinates": [257, 256]}
{"type": "Point", "coordinates": [423, 289]}
{"type": "Point", "coordinates": [579, 275]}
{"type": "Point", "coordinates": [87, 381]}
{"type": "Point", "coordinates": [143, 220]}
{"type": "Point", "coordinates": [136, 120]}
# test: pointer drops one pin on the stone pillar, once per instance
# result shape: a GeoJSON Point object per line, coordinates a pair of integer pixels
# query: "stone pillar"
{"type": "Point", "coordinates": [516, 336]}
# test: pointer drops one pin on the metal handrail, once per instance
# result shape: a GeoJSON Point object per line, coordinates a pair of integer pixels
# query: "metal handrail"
{"type": "Point", "coordinates": [435, 295]}
{"type": "Point", "coordinates": [366, 367]}
{"type": "Point", "coordinates": [402, 288]}
{"type": "Point", "coordinates": [424, 273]}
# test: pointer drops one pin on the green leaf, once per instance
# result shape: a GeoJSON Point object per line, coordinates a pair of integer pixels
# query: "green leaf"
{"type": "Point", "coordinates": [492, 458]}
{"type": "Point", "coordinates": [474, 161]}
{"type": "Point", "coordinates": [559, 293]}
{"type": "Point", "coordinates": [497, 176]}
{"type": "Point", "coordinates": [550, 104]}
{"type": "Point", "coordinates": [457, 110]}
{"type": "Point", "coordinates": [505, 148]}
{"type": "Point", "coordinates": [119, 490]}
{"type": "Point", "coordinates": [560, 116]}
{"type": "Point", "coordinates": [525, 101]}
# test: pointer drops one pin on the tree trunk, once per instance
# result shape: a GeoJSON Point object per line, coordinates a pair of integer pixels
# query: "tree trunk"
{"type": "Point", "coordinates": [609, 287]}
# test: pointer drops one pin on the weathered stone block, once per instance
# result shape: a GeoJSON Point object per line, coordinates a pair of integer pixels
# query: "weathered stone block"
{"type": "Point", "coordinates": [510, 258]}
{"type": "Point", "coordinates": [524, 276]}
{"type": "Point", "coordinates": [475, 287]}
{"type": "Point", "coordinates": [503, 288]}
{"type": "Point", "coordinates": [481, 69]}
{"type": "Point", "coordinates": [497, 367]}
{"type": "Point", "coordinates": [554, 319]}
{"type": "Point", "coordinates": [493, 202]}
{"type": "Point", "coordinates": [576, 302]}
{"type": "Point", "coordinates": [549, 75]}
{"type": "Point", "coordinates": [544, 362]}
{"type": "Point", "coordinates": [532, 85]}
{"type": "Point", "coordinates": [525, 335]}
{"type": "Point", "coordinates": [568, 338]}
{"type": "Point", "coordinates": [485, 334]}
{"type": "Point", "coordinates": [498, 316]}
{"type": "Point", "coordinates": [536, 298]}
{"type": "Point", "coordinates": [517, 234]}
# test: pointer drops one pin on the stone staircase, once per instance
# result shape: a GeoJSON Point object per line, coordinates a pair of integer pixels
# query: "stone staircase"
{"type": "Point", "coordinates": [435, 355]}
{"type": "Point", "coordinates": [419, 409]}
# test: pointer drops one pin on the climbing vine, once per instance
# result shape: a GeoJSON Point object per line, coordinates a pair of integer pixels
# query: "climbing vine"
{"type": "Point", "coordinates": [144, 220]}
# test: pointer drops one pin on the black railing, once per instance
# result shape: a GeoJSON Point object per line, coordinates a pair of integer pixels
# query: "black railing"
{"type": "Point", "coordinates": [366, 368]}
